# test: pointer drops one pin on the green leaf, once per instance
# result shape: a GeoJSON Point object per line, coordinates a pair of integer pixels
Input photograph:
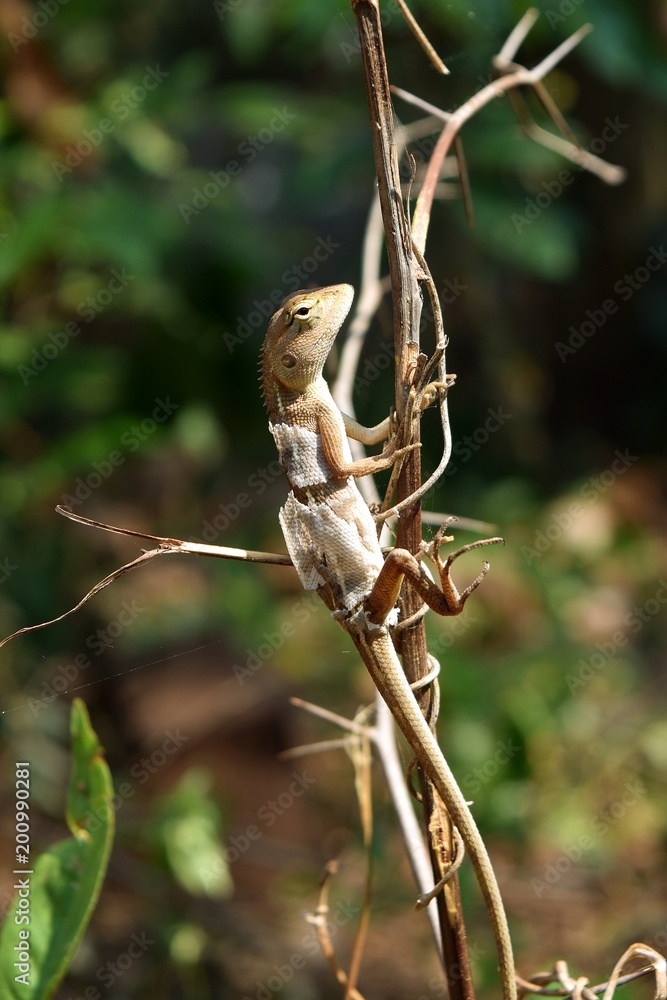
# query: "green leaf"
{"type": "Point", "coordinates": [189, 828]}
{"type": "Point", "coordinates": [63, 889]}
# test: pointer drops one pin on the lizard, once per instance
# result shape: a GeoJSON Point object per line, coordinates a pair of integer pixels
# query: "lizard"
{"type": "Point", "coordinates": [332, 540]}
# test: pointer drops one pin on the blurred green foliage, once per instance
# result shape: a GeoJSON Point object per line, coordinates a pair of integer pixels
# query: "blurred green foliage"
{"type": "Point", "coordinates": [165, 171]}
{"type": "Point", "coordinates": [189, 830]}
{"type": "Point", "coordinates": [60, 888]}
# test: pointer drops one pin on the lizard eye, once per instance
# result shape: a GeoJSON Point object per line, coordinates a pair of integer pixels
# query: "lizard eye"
{"type": "Point", "coordinates": [288, 361]}
{"type": "Point", "coordinates": [304, 313]}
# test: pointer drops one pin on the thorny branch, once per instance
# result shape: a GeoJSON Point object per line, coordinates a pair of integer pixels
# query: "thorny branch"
{"type": "Point", "coordinates": [406, 308]}
{"type": "Point", "coordinates": [407, 268]}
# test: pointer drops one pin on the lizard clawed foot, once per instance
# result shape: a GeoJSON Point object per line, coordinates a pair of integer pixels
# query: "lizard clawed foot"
{"type": "Point", "coordinates": [391, 451]}
{"type": "Point", "coordinates": [432, 548]}
{"type": "Point", "coordinates": [429, 393]}
{"type": "Point", "coordinates": [456, 601]}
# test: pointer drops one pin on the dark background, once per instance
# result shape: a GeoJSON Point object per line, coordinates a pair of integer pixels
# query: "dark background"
{"type": "Point", "coordinates": [150, 416]}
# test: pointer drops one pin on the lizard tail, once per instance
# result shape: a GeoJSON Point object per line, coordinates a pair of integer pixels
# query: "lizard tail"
{"type": "Point", "coordinates": [378, 653]}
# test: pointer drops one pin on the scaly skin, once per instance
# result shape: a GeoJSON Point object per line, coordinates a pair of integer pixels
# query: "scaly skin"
{"type": "Point", "coordinates": [378, 653]}
{"type": "Point", "coordinates": [333, 544]}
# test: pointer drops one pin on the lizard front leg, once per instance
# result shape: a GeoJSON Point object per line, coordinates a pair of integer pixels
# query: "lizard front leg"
{"type": "Point", "coordinates": [332, 445]}
{"type": "Point", "coordinates": [383, 430]}
{"type": "Point", "coordinates": [400, 564]}
{"type": "Point", "coordinates": [336, 458]}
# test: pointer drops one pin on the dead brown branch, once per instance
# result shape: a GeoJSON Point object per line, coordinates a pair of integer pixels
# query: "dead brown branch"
{"type": "Point", "coordinates": [540, 983]}
{"type": "Point", "coordinates": [165, 547]}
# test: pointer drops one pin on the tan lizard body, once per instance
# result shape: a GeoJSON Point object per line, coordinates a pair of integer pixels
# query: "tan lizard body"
{"type": "Point", "coordinates": [332, 540]}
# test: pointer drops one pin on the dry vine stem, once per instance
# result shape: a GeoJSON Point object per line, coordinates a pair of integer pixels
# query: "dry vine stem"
{"type": "Point", "coordinates": [407, 271]}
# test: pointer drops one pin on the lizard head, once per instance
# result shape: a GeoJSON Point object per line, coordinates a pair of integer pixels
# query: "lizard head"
{"type": "Point", "coordinates": [301, 334]}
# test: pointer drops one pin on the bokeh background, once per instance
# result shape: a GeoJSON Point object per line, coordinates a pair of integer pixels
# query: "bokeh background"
{"type": "Point", "coordinates": [166, 170]}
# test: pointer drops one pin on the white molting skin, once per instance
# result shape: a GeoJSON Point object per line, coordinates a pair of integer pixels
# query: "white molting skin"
{"type": "Point", "coordinates": [301, 453]}
{"type": "Point", "coordinates": [338, 533]}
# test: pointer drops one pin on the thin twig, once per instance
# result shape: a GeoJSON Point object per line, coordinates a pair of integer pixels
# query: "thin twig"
{"type": "Point", "coordinates": [657, 963]}
{"type": "Point", "coordinates": [166, 547]}
{"type": "Point", "coordinates": [324, 713]}
{"type": "Point", "coordinates": [465, 523]}
{"type": "Point", "coordinates": [145, 557]}
{"type": "Point", "coordinates": [537, 985]}
{"type": "Point", "coordinates": [416, 495]}
{"type": "Point", "coordinates": [419, 102]}
{"type": "Point", "coordinates": [520, 77]}
{"type": "Point", "coordinates": [384, 740]}
{"type": "Point", "coordinates": [421, 38]}
{"type": "Point", "coordinates": [464, 181]}
{"type": "Point", "coordinates": [406, 302]}
{"type": "Point", "coordinates": [371, 291]}
{"type": "Point", "coordinates": [426, 897]}
{"type": "Point", "coordinates": [360, 754]}
{"type": "Point", "coordinates": [177, 545]}
{"type": "Point", "coordinates": [319, 921]}
{"type": "Point", "coordinates": [518, 35]}
{"type": "Point", "coordinates": [306, 749]}
{"type": "Point", "coordinates": [610, 173]}
{"type": "Point", "coordinates": [383, 737]}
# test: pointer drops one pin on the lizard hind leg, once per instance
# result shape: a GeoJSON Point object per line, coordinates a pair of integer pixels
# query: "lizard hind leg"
{"type": "Point", "coordinates": [401, 564]}
{"type": "Point", "coordinates": [432, 549]}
